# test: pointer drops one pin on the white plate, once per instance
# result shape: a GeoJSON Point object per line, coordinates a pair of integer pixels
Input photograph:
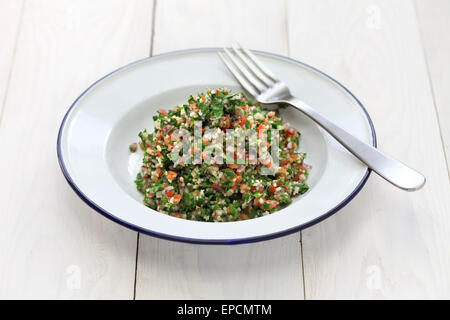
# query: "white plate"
{"type": "Point", "coordinates": [98, 128]}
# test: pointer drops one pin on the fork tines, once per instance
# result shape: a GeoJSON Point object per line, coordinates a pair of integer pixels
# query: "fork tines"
{"type": "Point", "coordinates": [252, 74]}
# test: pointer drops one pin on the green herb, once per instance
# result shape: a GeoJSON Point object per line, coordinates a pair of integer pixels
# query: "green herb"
{"type": "Point", "coordinates": [214, 191]}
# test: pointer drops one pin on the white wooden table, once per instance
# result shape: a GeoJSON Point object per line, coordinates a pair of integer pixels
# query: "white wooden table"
{"type": "Point", "coordinates": [394, 55]}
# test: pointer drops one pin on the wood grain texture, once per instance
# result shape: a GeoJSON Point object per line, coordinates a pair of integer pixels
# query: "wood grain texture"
{"type": "Point", "coordinates": [202, 23]}
{"type": "Point", "coordinates": [10, 17]}
{"type": "Point", "coordinates": [267, 270]}
{"type": "Point", "coordinates": [386, 243]}
{"type": "Point", "coordinates": [434, 24]}
{"type": "Point", "coordinates": [52, 245]}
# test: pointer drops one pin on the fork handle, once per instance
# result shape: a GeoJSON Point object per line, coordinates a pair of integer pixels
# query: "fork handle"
{"type": "Point", "coordinates": [390, 169]}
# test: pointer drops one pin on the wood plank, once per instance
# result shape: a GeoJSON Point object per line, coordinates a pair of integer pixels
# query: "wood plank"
{"type": "Point", "coordinates": [10, 14]}
{"type": "Point", "coordinates": [387, 243]}
{"type": "Point", "coordinates": [219, 24]}
{"type": "Point", "coordinates": [434, 23]}
{"type": "Point", "coordinates": [52, 245]}
{"type": "Point", "coordinates": [171, 270]}
{"type": "Point", "coordinates": [264, 270]}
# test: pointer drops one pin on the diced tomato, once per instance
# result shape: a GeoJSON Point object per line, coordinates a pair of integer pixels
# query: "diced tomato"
{"type": "Point", "coordinates": [163, 111]}
{"type": "Point", "coordinates": [176, 214]}
{"type": "Point", "coordinates": [290, 132]}
{"type": "Point", "coordinates": [261, 127]}
{"type": "Point", "coordinates": [217, 91]}
{"type": "Point", "coordinates": [203, 98]}
{"type": "Point", "coordinates": [272, 189]}
{"type": "Point", "coordinates": [158, 172]}
{"type": "Point", "coordinates": [177, 197]}
{"type": "Point", "coordinates": [272, 204]}
{"type": "Point", "coordinates": [242, 122]}
{"type": "Point", "coordinates": [271, 114]}
{"type": "Point", "coordinates": [266, 162]}
{"type": "Point", "coordinates": [236, 180]}
{"type": "Point", "coordinates": [171, 175]}
{"type": "Point", "coordinates": [170, 193]}
{"type": "Point", "coordinates": [217, 186]}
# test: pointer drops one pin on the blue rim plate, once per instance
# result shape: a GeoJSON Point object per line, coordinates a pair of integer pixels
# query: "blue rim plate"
{"type": "Point", "coordinates": [101, 123]}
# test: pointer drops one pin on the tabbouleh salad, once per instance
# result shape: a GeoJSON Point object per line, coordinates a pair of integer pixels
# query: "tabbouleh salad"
{"type": "Point", "coordinates": [218, 192]}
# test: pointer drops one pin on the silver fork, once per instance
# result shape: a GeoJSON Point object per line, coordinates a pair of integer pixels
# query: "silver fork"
{"type": "Point", "coordinates": [263, 85]}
